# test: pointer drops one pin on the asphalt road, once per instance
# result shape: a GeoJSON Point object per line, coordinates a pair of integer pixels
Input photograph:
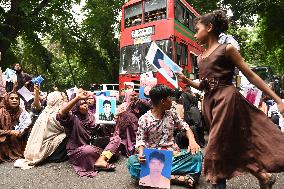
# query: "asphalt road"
{"type": "Point", "coordinates": [62, 176]}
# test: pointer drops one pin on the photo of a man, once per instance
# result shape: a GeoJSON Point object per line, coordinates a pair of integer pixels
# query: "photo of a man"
{"type": "Point", "coordinates": [159, 62]}
{"type": "Point", "coordinates": [107, 114]}
{"type": "Point", "coordinates": [156, 165]}
{"type": "Point", "coordinates": [164, 65]}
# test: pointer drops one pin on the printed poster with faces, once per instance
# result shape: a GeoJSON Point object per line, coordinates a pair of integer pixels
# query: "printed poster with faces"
{"type": "Point", "coordinates": [156, 171]}
{"type": "Point", "coordinates": [106, 110]}
{"type": "Point", "coordinates": [147, 81]}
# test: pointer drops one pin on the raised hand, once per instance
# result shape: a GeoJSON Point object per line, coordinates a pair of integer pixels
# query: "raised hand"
{"type": "Point", "coordinates": [36, 88]}
{"type": "Point", "coordinates": [83, 95]}
{"type": "Point", "coordinates": [182, 77]}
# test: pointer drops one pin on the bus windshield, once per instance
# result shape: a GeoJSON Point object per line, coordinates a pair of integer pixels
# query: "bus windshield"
{"type": "Point", "coordinates": [132, 60]}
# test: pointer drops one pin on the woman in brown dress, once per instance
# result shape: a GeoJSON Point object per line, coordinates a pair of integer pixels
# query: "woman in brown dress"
{"type": "Point", "coordinates": [242, 138]}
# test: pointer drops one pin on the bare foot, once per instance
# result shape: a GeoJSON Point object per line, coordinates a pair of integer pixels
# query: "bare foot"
{"type": "Point", "coordinates": [101, 162]}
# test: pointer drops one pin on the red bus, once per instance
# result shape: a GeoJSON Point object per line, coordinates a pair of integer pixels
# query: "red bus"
{"type": "Point", "coordinates": [167, 22]}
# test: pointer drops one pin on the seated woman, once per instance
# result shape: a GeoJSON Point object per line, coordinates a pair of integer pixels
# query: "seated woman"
{"type": "Point", "coordinates": [156, 129]}
{"type": "Point", "coordinates": [80, 126]}
{"type": "Point", "coordinates": [127, 121]}
{"type": "Point", "coordinates": [14, 123]}
{"type": "Point", "coordinates": [46, 141]}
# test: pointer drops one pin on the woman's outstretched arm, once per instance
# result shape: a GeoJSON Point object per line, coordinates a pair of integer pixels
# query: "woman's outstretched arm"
{"type": "Point", "coordinates": [188, 81]}
{"type": "Point", "coordinates": [237, 59]}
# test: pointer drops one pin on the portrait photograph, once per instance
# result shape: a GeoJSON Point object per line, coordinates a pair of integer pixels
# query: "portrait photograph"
{"type": "Point", "coordinates": [147, 81]}
{"type": "Point", "coordinates": [163, 64]}
{"type": "Point", "coordinates": [156, 171]}
{"type": "Point", "coordinates": [253, 95]}
{"type": "Point", "coordinates": [106, 107]}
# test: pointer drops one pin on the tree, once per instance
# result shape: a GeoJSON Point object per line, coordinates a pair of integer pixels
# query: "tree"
{"type": "Point", "coordinates": [30, 19]}
{"type": "Point", "coordinates": [46, 38]}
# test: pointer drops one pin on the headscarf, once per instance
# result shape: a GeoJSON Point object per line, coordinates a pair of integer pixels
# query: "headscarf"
{"type": "Point", "coordinates": [8, 116]}
{"type": "Point", "coordinates": [47, 133]}
{"type": "Point", "coordinates": [87, 120]}
{"type": "Point", "coordinates": [127, 97]}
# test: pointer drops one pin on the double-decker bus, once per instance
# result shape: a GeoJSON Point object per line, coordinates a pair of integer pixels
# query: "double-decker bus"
{"type": "Point", "coordinates": [167, 22]}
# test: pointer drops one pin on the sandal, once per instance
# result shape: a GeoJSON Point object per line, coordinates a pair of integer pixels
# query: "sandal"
{"type": "Point", "coordinates": [269, 183]}
{"type": "Point", "coordinates": [186, 180]}
{"type": "Point", "coordinates": [108, 168]}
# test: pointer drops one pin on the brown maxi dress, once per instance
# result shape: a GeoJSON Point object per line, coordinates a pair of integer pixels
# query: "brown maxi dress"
{"type": "Point", "coordinates": [242, 138]}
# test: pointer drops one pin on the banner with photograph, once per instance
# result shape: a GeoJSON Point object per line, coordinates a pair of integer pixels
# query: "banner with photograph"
{"type": "Point", "coordinates": [106, 109]}
{"type": "Point", "coordinates": [163, 64]}
{"type": "Point", "coordinates": [71, 91]}
{"type": "Point", "coordinates": [252, 94]}
{"type": "Point", "coordinates": [102, 93]}
{"type": "Point", "coordinates": [147, 81]}
{"type": "Point", "coordinates": [158, 162]}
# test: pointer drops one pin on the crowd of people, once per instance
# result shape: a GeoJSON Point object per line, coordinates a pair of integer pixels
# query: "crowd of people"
{"type": "Point", "coordinates": [56, 128]}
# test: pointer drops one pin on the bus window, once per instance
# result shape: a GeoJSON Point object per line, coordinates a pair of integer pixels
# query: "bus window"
{"type": "Point", "coordinates": [184, 16]}
{"type": "Point", "coordinates": [155, 10]}
{"type": "Point", "coordinates": [181, 54]}
{"type": "Point", "coordinates": [191, 22]}
{"type": "Point", "coordinates": [184, 54]}
{"type": "Point", "coordinates": [179, 13]}
{"type": "Point", "coordinates": [194, 66]}
{"type": "Point", "coordinates": [133, 15]}
{"type": "Point", "coordinates": [166, 46]}
{"type": "Point", "coordinates": [178, 54]}
{"type": "Point", "coordinates": [133, 57]}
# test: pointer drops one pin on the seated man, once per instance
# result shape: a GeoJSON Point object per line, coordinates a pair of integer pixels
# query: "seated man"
{"type": "Point", "coordinates": [156, 131]}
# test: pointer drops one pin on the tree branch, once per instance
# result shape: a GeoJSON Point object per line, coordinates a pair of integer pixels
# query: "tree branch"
{"type": "Point", "coordinates": [43, 4]}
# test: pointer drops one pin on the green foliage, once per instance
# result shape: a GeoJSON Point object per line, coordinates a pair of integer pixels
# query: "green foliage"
{"type": "Point", "coordinates": [262, 45]}
{"type": "Point", "coordinates": [46, 38]}
{"type": "Point", "coordinates": [204, 6]}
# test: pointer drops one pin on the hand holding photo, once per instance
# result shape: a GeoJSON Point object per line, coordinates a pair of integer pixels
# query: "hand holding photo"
{"type": "Point", "coordinates": [37, 80]}
{"type": "Point", "coordinates": [156, 171]}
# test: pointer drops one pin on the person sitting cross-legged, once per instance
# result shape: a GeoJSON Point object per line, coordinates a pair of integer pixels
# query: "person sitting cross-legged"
{"type": "Point", "coordinates": [156, 129]}
{"type": "Point", "coordinates": [87, 159]}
